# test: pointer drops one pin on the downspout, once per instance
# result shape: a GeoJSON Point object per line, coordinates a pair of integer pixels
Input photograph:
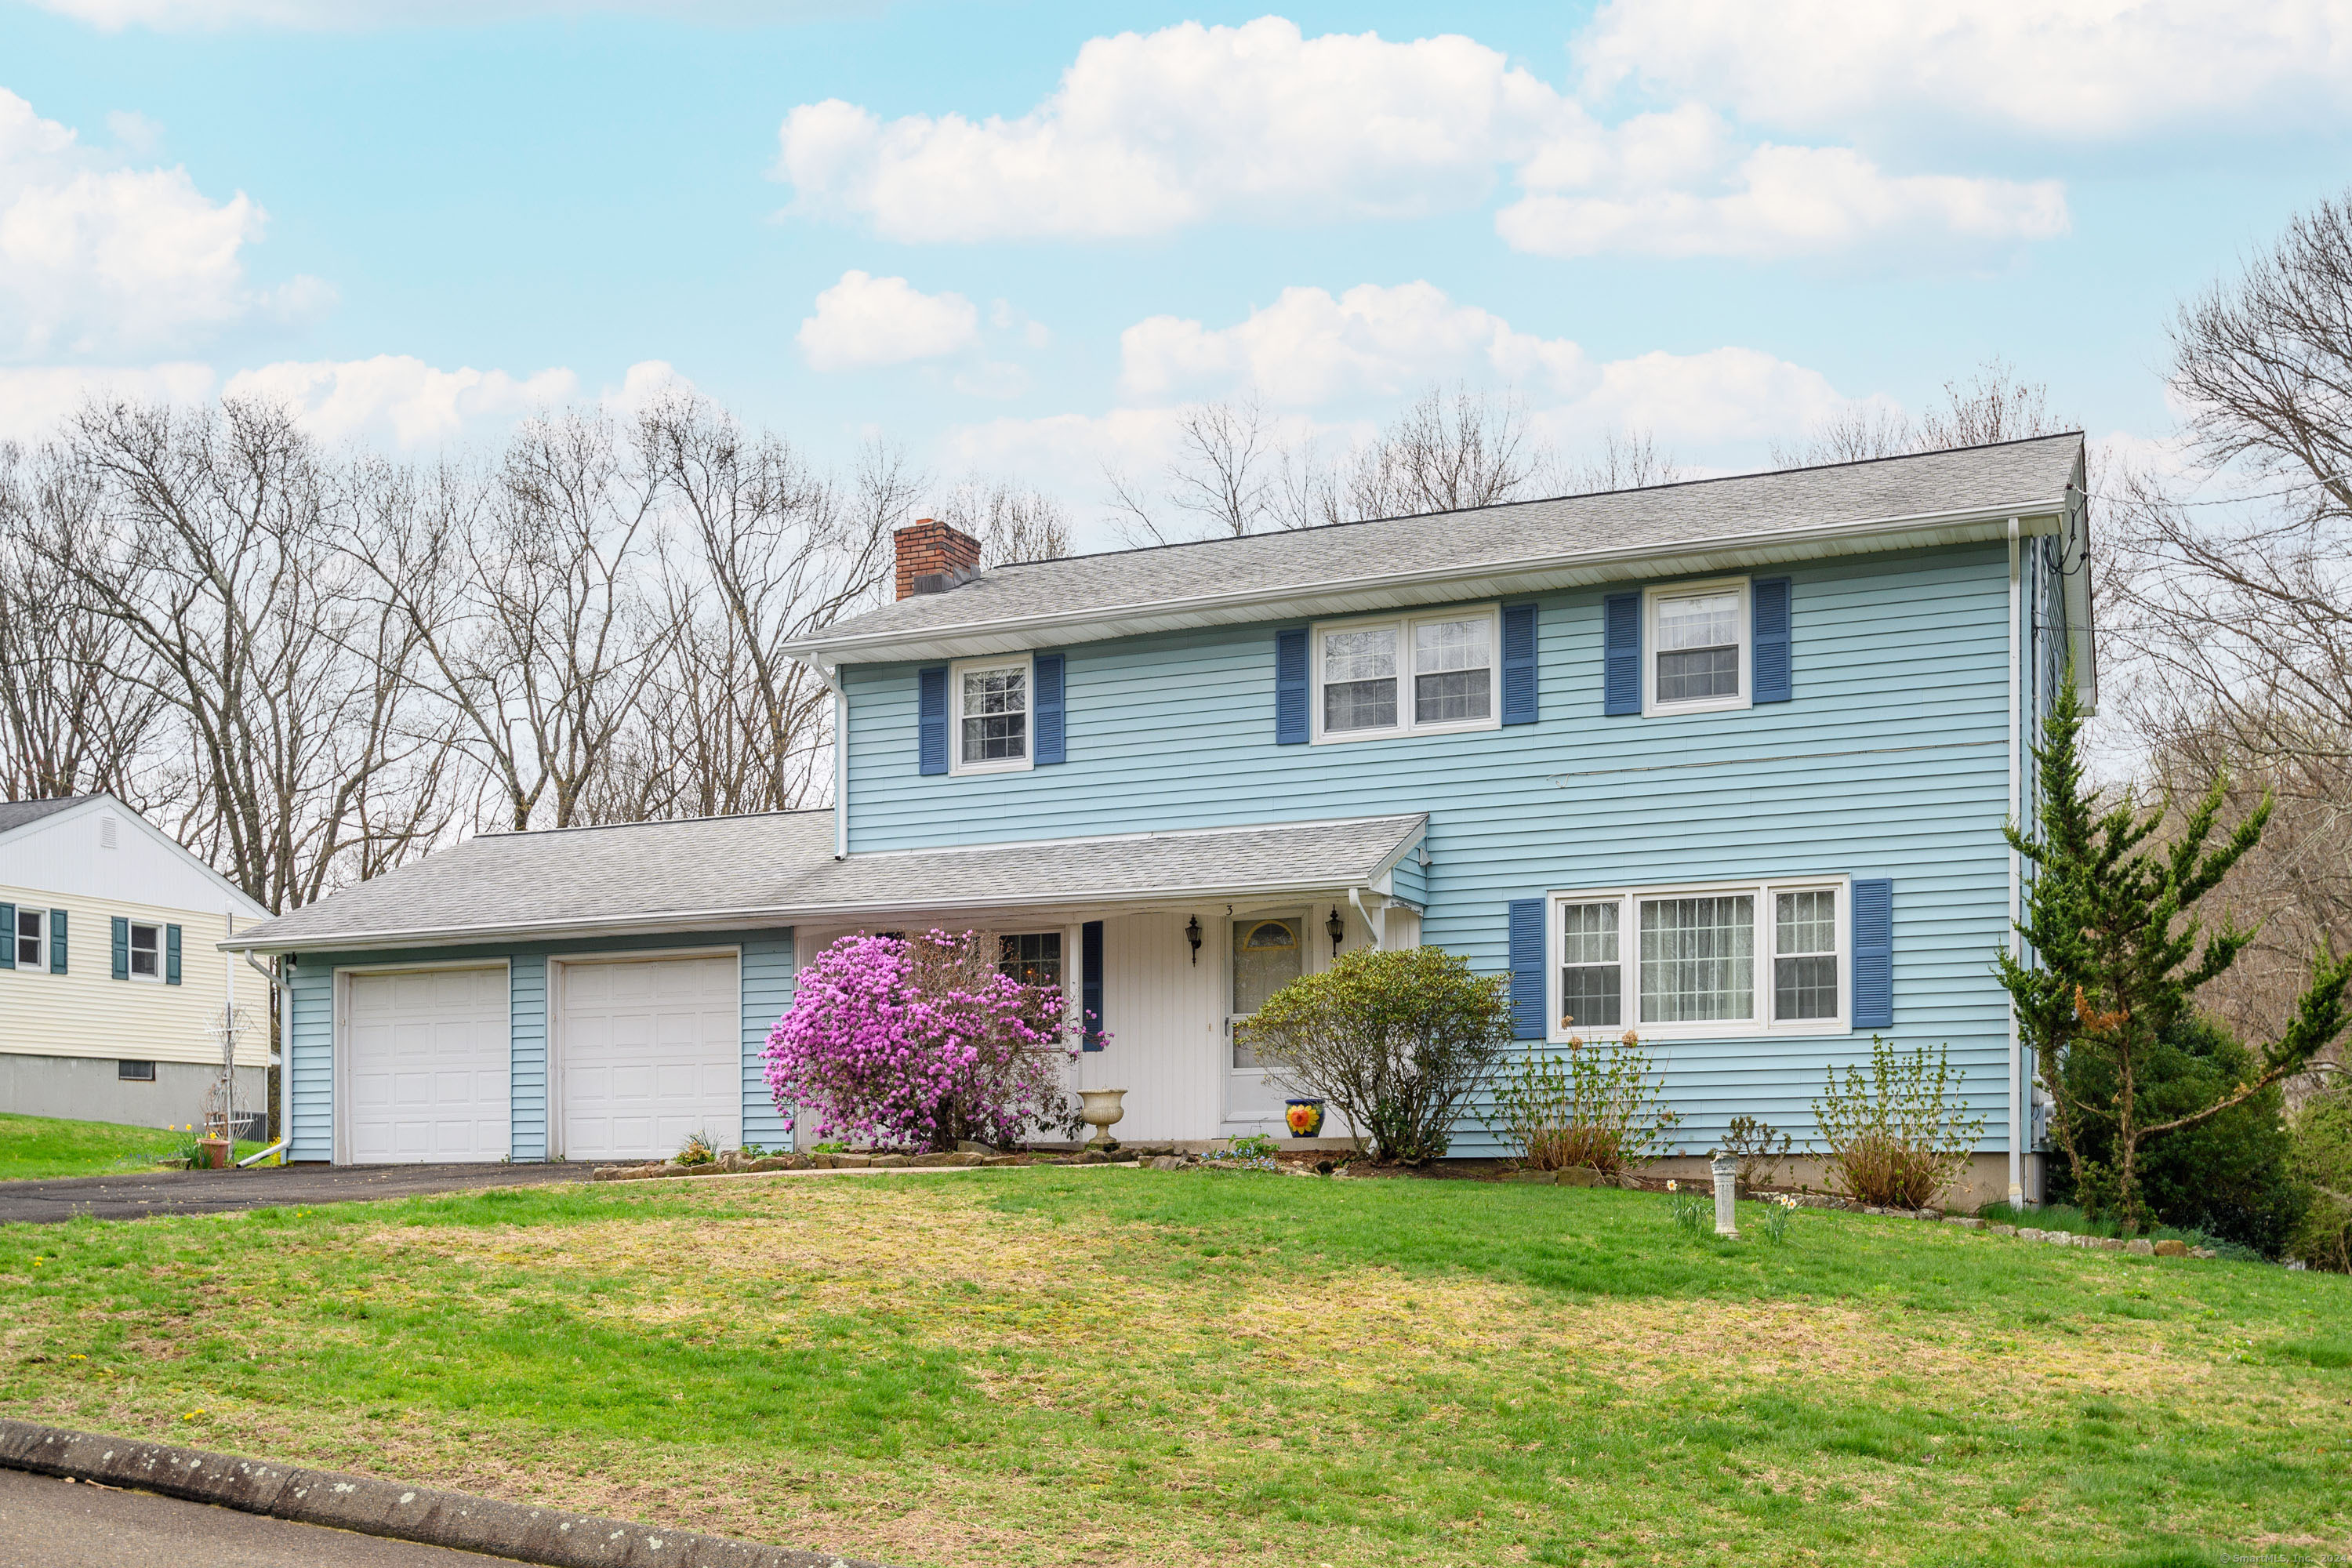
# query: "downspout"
{"type": "Point", "coordinates": [831, 674]}
{"type": "Point", "coordinates": [2016, 815]}
{"type": "Point", "coordinates": [283, 994]}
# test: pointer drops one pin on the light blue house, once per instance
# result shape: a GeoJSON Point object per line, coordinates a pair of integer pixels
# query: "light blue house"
{"type": "Point", "coordinates": [1726, 762]}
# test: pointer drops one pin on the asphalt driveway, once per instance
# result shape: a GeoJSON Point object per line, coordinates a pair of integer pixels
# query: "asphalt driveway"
{"type": "Point", "coordinates": [135, 1196]}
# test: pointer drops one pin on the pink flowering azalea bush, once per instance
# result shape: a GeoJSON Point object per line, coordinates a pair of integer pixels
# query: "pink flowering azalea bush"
{"type": "Point", "coordinates": [918, 1042]}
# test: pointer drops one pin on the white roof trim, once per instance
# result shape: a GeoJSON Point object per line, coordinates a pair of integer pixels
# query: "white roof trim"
{"type": "Point", "coordinates": [1477, 580]}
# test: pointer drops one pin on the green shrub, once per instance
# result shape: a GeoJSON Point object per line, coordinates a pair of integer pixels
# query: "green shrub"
{"type": "Point", "coordinates": [1401, 1042]}
{"type": "Point", "coordinates": [2321, 1155]}
{"type": "Point", "coordinates": [1595, 1107]}
{"type": "Point", "coordinates": [1892, 1138]}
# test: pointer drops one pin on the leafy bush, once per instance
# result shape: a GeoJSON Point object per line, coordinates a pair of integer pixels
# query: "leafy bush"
{"type": "Point", "coordinates": [1400, 1041]}
{"type": "Point", "coordinates": [1594, 1108]}
{"type": "Point", "coordinates": [2226, 1177]}
{"type": "Point", "coordinates": [1893, 1141]}
{"type": "Point", "coordinates": [918, 1042]}
{"type": "Point", "coordinates": [2321, 1157]}
{"type": "Point", "coordinates": [1759, 1146]}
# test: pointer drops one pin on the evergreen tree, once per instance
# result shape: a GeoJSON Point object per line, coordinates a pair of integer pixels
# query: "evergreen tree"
{"type": "Point", "coordinates": [2118, 957]}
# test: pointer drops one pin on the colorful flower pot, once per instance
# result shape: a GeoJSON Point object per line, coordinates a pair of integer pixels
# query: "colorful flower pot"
{"type": "Point", "coordinates": [1305, 1117]}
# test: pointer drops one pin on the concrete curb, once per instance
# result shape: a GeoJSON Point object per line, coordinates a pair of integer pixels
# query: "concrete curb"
{"type": "Point", "coordinates": [371, 1506]}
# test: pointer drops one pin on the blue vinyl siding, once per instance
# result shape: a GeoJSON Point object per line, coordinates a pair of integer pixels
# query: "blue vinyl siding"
{"type": "Point", "coordinates": [765, 975]}
{"type": "Point", "coordinates": [1890, 760]}
{"type": "Point", "coordinates": [768, 974]}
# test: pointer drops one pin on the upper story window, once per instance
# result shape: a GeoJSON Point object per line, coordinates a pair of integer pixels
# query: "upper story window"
{"type": "Point", "coordinates": [32, 929]}
{"type": "Point", "coordinates": [1683, 962]}
{"type": "Point", "coordinates": [989, 720]}
{"type": "Point", "coordinates": [146, 951]}
{"type": "Point", "coordinates": [1698, 638]}
{"type": "Point", "coordinates": [1405, 675]}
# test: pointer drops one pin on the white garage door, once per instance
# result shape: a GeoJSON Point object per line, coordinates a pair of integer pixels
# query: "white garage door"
{"type": "Point", "coordinates": [427, 1067]}
{"type": "Point", "coordinates": [649, 1052]}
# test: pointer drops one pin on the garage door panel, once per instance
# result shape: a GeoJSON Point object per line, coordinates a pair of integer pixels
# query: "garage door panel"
{"type": "Point", "coordinates": [428, 1066]}
{"type": "Point", "coordinates": [649, 1053]}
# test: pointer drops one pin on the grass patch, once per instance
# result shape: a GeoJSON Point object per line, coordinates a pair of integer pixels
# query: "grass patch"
{"type": "Point", "coordinates": [33, 1147]}
{"type": "Point", "coordinates": [1050, 1366]}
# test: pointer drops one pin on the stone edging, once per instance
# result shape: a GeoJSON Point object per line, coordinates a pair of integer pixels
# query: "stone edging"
{"type": "Point", "coordinates": [372, 1507]}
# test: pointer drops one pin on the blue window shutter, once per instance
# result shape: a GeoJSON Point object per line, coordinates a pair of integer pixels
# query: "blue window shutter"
{"type": "Point", "coordinates": [1620, 659]}
{"type": "Point", "coordinates": [8, 936]}
{"type": "Point", "coordinates": [1769, 611]}
{"type": "Point", "coordinates": [56, 941]}
{"type": "Point", "coordinates": [121, 948]}
{"type": "Point", "coordinates": [1291, 687]}
{"type": "Point", "coordinates": [1050, 745]}
{"type": "Point", "coordinates": [1528, 969]}
{"type": "Point", "coordinates": [1091, 985]}
{"type": "Point", "coordinates": [931, 719]}
{"type": "Point", "coordinates": [1519, 664]}
{"type": "Point", "coordinates": [171, 956]}
{"type": "Point", "coordinates": [1873, 953]}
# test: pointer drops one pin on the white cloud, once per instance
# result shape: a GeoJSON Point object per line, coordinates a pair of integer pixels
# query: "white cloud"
{"type": "Point", "coordinates": [1723, 396]}
{"type": "Point", "coordinates": [866, 321]}
{"type": "Point", "coordinates": [99, 259]}
{"type": "Point", "coordinates": [400, 397]}
{"type": "Point", "coordinates": [644, 383]}
{"type": "Point", "coordinates": [1147, 133]}
{"type": "Point", "coordinates": [352, 15]}
{"type": "Point", "coordinates": [35, 400]}
{"type": "Point", "coordinates": [2068, 67]}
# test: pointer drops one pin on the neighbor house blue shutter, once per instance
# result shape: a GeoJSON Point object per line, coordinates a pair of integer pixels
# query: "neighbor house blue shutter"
{"type": "Point", "coordinates": [1620, 656]}
{"type": "Point", "coordinates": [1873, 953]}
{"type": "Point", "coordinates": [1528, 969]}
{"type": "Point", "coordinates": [171, 956]}
{"type": "Point", "coordinates": [56, 941]}
{"type": "Point", "coordinates": [1770, 617]}
{"type": "Point", "coordinates": [7, 936]}
{"type": "Point", "coordinates": [1091, 985]}
{"type": "Point", "coordinates": [1519, 664]}
{"type": "Point", "coordinates": [931, 719]}
{"type": "Point", "coordinates": [121, 948]}
{"type": "Point", "coordinates": [1291, 687]}
{"type": "Point", "coordinates": [1050, 747]}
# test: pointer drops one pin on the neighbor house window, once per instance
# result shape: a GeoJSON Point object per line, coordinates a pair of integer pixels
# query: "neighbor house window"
{"type": "Point", "coordinates": [1700, 961]}
{"type": "Point", "coordinates": [1406, 675]}
{"type": "Point", "coordinates": [991, 714]}
{"type": "Point", "coordinates": [1698, 641]}
{"type": "Point", "coordinates": [146, 951]}
{"type": "Point", "coordinates": [135, 1072]}
{"type": "Point", "coordinates": [1033, 958]}
{"type": "Point", "coordinates": [32, 927]}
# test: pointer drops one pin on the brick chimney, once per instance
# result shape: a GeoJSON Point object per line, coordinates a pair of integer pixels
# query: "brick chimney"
{"type": "Point", "coordinates": [933, 557]}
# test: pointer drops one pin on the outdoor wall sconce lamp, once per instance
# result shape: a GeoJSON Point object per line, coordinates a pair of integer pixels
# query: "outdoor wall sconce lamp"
{"type": "Point", "coordinates": [1338, 928]}
{"type": "Point", "coordinates": [1193, 935]}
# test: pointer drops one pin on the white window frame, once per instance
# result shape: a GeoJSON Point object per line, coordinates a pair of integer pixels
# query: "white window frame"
{"type": "Point", "coordinates": [1762, 1025]}
{"type": "Point", "coordinates": [41, 965]}
{"type": "Point", "coordinates": [1405, 724]}
{"type": "Point", "coordinates": [1652, 646]}
{"type": "Point", "coordinates": [956, 672]}
{"type": "Point", "coordinates": [130, 949]}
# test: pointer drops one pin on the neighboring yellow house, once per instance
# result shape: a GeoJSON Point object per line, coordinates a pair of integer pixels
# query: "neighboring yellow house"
{"type": "Point", "coordinates": [113, 985]}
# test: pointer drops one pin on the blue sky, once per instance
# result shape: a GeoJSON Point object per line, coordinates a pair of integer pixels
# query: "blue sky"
{"type": "Point", "coordinates": [1013, 238]}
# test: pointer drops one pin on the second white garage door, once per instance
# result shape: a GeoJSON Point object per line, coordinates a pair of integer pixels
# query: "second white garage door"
{"type": "Point", "coordinates": [648, 1052]}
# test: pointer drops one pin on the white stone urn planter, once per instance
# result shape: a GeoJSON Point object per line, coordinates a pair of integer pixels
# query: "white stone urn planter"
{"type": "Point", "coordinates": [1100, 1109]}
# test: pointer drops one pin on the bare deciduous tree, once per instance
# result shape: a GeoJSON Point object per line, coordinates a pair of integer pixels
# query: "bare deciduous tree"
{"type": "Point", "coordinates": [1011, 523]}
{"type": "Point", "coordinates": [1991, 405]}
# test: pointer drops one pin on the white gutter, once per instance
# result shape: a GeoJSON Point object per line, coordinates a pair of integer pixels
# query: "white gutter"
{"type": "Point", "coordinates": [840, 761]}
{"type": "Point", "coordinates": [2017, 653]}
{"type": "Point", "coordinates": [1586, 565]}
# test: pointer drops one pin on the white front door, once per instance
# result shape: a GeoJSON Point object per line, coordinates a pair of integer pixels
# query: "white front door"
{"type": "Point", "coordinates": [1267, 953]}
{"type": "Point", "coordinates": [426, 1065]}
{"type": "Point", "coordinates": [648, 1052]}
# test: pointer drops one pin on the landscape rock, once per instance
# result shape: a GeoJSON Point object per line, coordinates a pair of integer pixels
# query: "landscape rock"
{"type": "Point", "coordinates": [1536, 1178]}
{"type": "Point", "coordinates": [2170, 1247]}
{"type": "Point", "coordinates": [1166, 1163]}
{"type": "Point", "coordinates": [2001, 1229]}
{"type": "Point", "coordinates": [889, 1162]}
{"type": "Point", "coordinates": [2202, 1252]}
{"type": "Point", "coordinates": [2111, 1244]}
{"type": "Point", "coordinates": [1579, 1176]}
{"type": "Point", "coordinates": [2140, 1246]}
{"type": "Point", "coordinates": [1006, 1160]}
{"type": "Point", "coordinates": [1930, 1215]}
{"type": "Point", "coordinates": [1965, 1222]}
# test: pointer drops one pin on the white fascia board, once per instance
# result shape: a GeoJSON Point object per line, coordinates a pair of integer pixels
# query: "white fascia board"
{"type": "Point", "coordinates": [1483, 580]}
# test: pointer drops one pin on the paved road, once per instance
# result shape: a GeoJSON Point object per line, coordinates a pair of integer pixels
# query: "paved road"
{"type": "Point", "coordinates": [46, 1524]}
{"type": "Point", "coordinates": [220, 1192]}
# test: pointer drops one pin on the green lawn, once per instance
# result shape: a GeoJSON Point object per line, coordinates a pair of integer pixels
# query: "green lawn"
{"type": "Point", "coordinates": [1112, 1366]}
{"type": "Point", "coordinates": [34, 1146]}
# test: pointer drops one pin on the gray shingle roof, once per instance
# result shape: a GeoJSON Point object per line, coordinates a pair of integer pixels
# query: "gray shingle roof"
{"type": "Point", "coordinates": [1748, 508]}
{"type": "Point", "coordinates": [779, 870]}
{"type": "Point", "coordinates": [15, 814]}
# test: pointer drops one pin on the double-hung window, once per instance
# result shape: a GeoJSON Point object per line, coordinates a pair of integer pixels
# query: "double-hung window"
{"type": "Point", "coordinates": [989, 716]}
{"type": "Point", "coordinates": [1406, 675]}
{"type": "Point", "coordinates": [1698, 641]}
{"type": "Point", "coordinates": [30, 937]}
{"type": "Point", "coordinates": [146, 951]}
{"type": "Point", "coordinates": [1701, 961]}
